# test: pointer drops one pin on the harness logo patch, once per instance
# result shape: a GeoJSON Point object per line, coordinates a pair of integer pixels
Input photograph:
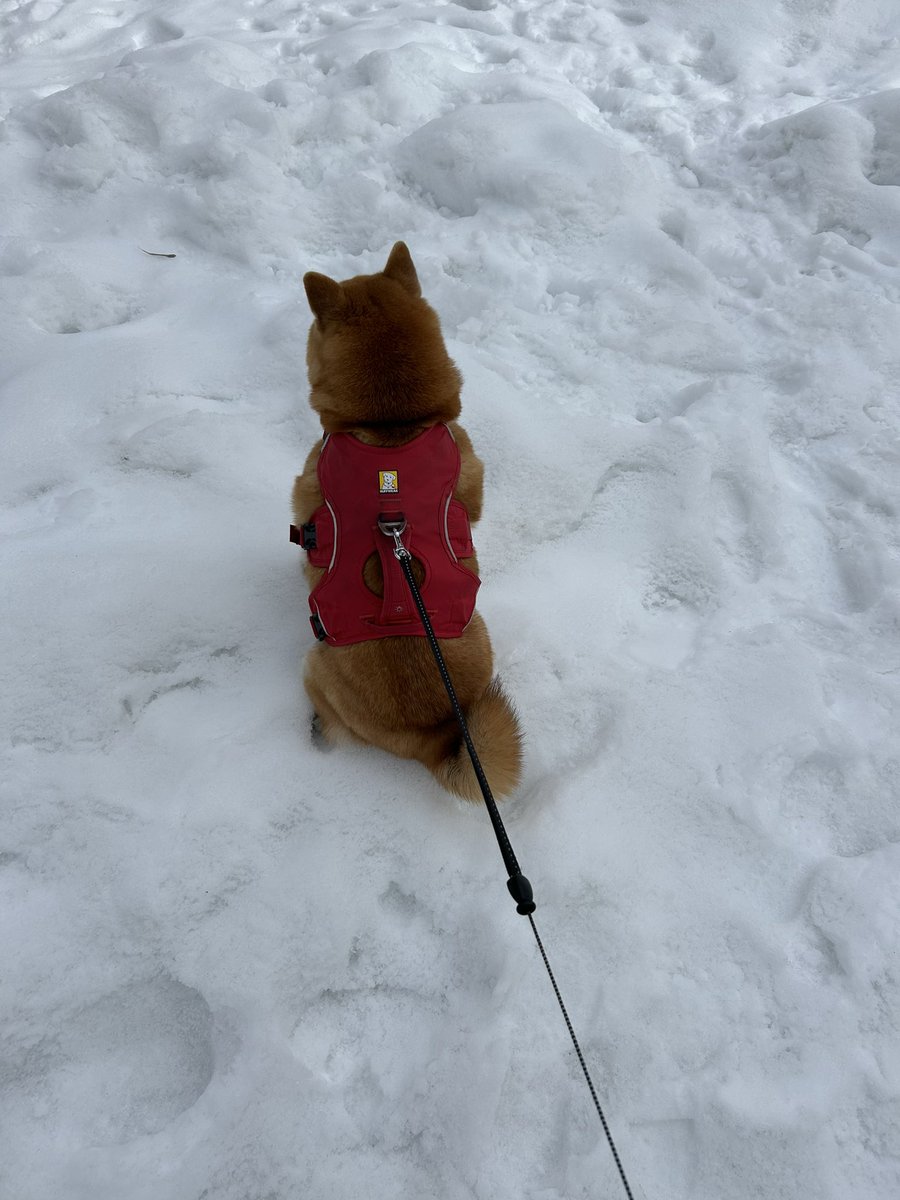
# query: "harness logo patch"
{"type": "Point", "coordinates": [388, 483]}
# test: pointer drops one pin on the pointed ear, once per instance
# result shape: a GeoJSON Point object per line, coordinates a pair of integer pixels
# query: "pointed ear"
{"type": "Point", "coordinates": [400, 268]}
{"type": "Point", "coordinates": [325, 296]}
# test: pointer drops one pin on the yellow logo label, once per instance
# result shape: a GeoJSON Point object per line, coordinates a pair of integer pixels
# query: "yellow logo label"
{"type": "Point", "coordinates": [388, 482]}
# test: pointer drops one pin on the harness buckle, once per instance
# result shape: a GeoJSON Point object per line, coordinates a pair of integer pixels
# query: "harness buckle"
{"type": "Point", "coordinates": [305, 536]}
{"type": "Point", "coordinates": [317, 627]}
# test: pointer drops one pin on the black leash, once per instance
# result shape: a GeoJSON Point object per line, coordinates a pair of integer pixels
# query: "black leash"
{"type": "Point", "coordinates": [393, 525]}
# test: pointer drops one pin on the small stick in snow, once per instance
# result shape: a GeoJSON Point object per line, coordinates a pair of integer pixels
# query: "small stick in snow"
{"type": "Point", "coordinates": [155, 253]}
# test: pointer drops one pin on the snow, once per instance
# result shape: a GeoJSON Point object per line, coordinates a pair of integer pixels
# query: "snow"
{"type": "Point", "coordinates": [664, 243]}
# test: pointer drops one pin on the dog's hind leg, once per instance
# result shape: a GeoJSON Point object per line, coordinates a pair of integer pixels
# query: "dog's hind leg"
{"type": "Point", "coordinates": [327, 726]}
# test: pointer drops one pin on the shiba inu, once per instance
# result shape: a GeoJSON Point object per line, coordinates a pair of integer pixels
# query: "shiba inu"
{"type": "Point", "coordinates": [388, 397]}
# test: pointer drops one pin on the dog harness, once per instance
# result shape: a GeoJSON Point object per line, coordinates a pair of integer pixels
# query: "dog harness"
{"type": "Point", "coordinates": [363, 485]}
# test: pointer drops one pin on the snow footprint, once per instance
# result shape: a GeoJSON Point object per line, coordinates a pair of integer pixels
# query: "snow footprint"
{"type": "Point", "coordinates": [837, 800]}
{"type": "Point", "coordinates": [853, 907]}
{"type": "Point", "coordinates": [858, 565]}
{"type": "Point", "coordinates": [679, 590]}
{"type": "Point", "coordinates": [631, 16]}
{"type": "Point", "coordinates": [155, 31]}
{"type": "Point", "coordinates": [677, 405]}
{"type": "Point", "coordinates": [837, 557]}
{"type": "Point", "coordinates": [130, 1063]}
{"type": "Point", "coordinates": [349, 1037]}
{"type": "Point", "coordinates": [732, 504]}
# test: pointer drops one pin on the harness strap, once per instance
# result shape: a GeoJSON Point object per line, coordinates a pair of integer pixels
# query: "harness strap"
{"type": "Point", "coordinates": [396, 608]}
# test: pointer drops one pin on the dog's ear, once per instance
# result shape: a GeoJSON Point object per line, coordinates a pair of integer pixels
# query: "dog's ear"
{"type": "Point", "coordinates": [400, 268]}
{"type": "Point", "coordinates": [325, 296]}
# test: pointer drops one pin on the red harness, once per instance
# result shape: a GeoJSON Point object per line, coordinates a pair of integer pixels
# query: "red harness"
{"type": "Point", "coordinates": [361, 483]}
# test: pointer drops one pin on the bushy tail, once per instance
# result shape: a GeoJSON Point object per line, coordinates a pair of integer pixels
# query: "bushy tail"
{"type": "Point", "coordinates": [495, 732]}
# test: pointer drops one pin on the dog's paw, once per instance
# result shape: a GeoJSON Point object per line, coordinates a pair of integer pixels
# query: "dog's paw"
{"type": "Point", "coordinates": [317, 734]}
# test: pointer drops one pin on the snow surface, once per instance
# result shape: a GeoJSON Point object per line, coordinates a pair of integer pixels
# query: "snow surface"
{"type": "Point", "coordinates": [664, 241]}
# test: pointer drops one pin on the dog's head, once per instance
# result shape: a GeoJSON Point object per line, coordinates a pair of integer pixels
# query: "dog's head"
{"type": "Point", "coordinates": [375, 354]}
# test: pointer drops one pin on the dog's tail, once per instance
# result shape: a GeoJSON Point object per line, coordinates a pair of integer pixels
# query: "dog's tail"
{"type": "Point", "coordinates": [495, 733]}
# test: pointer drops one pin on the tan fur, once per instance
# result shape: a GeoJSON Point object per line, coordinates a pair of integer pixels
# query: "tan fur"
{"type": "Point", "coordinates": [378, 368]}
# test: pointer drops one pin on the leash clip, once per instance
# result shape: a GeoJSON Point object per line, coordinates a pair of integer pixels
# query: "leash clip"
{"type": "Point", "coordinates": [392, 525]}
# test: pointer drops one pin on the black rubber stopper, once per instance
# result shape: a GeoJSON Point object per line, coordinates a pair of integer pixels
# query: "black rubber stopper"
{"type": "Point", "coordinates": [520, 890]}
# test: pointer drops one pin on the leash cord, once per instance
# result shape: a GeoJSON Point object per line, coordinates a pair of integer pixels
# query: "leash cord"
{"type": "Point", "coordinates": [587, 1074]}
{"type": "Point", "coordinates": [513, 870]}
{"type": "Point", "coordinates": [519, 887]}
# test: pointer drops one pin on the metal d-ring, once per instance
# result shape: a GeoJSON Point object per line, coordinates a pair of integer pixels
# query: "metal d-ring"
{"type": "Point", "coordinates": [392, 525]}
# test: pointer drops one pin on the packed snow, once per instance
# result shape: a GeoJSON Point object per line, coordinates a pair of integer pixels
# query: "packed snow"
{"type": "Point", "coordinates": [664, 244]}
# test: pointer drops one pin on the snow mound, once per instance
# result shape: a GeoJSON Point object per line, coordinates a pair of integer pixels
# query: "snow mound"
{"type": "Point", "coordinates": [529, 155]}
{"type": "Point", "coordinates": [840, 162]}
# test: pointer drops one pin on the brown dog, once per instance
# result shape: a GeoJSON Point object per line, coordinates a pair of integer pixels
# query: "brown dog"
{"type": "Point", "coordinates": [378, 369]}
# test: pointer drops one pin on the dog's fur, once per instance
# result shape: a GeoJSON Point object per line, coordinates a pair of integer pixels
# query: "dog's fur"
{"type": "Point", "coordinates": [378, 368]}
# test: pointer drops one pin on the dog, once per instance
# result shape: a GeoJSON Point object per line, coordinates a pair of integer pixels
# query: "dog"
{"type": "Point", "coordinates": [388, 398]}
